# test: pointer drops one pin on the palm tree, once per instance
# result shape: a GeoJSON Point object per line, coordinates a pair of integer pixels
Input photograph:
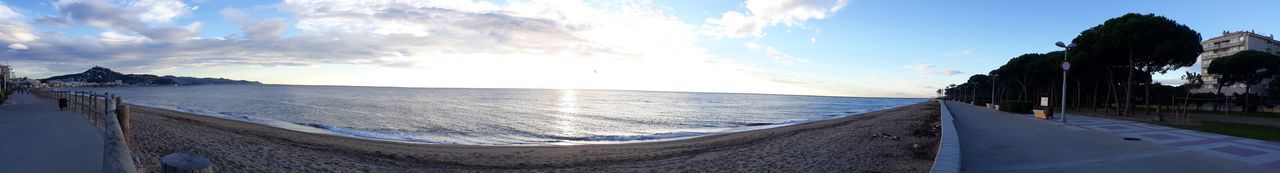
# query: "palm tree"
{"type": "Point", "coordinates": [1195, 81]}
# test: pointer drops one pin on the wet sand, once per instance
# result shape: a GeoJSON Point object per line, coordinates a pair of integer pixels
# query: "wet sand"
{"type": "Point", "coordinates": [902, 139]}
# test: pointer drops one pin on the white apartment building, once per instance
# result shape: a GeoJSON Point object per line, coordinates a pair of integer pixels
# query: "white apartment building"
{"type": "Point", "coordinates": [1226, 45]}
{"type": "Point", "coordinates": [5, 73]}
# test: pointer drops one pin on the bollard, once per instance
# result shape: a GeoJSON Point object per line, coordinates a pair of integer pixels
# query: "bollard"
{"type": "Point", "coordinates": [184, 163]}
{"type": "Point", "coordinates": [75, 100]}
{"type": "Point", "coordinates": [62, 104]}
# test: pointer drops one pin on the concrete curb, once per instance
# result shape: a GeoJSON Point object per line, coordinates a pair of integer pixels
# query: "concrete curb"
{"type": "Point", "coordinates": [948, 158]}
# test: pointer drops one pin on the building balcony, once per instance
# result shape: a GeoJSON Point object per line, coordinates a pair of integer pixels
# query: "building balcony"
{"type": "Point", "coordinates": [1208, 47]}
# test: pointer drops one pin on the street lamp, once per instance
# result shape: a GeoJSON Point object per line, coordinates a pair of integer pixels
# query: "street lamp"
{"type": "Point", "coordinates": [1065, 67]}
{"type": "Point", "coordinates": [993, 90]}
{"type": "Point", "coordinates": [973, 92]}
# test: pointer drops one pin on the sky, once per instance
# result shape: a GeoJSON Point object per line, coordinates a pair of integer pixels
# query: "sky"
{"type": "Point", "coordinates": [865, 48]}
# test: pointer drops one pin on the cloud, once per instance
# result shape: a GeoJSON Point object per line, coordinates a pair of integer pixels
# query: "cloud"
{"type": "Point", "coordinates": [159, 11]}
{"type": "Point", "coordinates": [949, 72]}
{"type": "Point", "coordinates": [341, 32]}
{"type": "Point", "coordinates": [234, 15]}
{"type": "Point", "coordinates": [965, 52]}
{"type": "Point", "coordinates": [929, 69]}
{"type": "Point", "coordinates": [775, 54]}
{"type": "Point", "coordinates": [254, 28]}
{"type": "Point", "coordinates": [115, 38]}
{"type": "Point", "coordinates": [17, 46]}
{"type": "Point", "coordinates": [129, 17]}
{"type": "Point", "coordinates": [813, 40]}
{"type": "Point", "coordinates": [764, 13]}
{"type": "Point", "coordinates": [607, 45]}
{"type": "Point", "coordinates": [13, 28]}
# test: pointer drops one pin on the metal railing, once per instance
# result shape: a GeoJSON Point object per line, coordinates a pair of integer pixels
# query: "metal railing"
{"type": "Point", "coordinates": [101, 110]}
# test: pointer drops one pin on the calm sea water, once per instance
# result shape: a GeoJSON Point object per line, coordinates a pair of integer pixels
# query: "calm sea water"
{"type": "Point", "coordinates": [498, 116]}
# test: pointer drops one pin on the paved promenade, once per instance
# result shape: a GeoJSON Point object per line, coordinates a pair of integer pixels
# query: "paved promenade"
{"type": "Point", "coordinates": [36, 137]}
{"type": "Point", "coordinates": [992, 141]}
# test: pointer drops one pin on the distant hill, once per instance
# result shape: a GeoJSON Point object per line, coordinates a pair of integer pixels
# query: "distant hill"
{"type": "Point", "coordinates": [206, 81]}
{"type": "Point", "coordinates": [104, 75]}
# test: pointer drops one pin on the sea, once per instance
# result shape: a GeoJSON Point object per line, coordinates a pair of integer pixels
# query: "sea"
{"type": "Point", "coordinates": [498, 116]}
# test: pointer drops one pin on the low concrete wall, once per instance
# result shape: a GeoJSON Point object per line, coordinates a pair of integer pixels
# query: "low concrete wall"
{"type": "Point", "coordinates": [948, 158]}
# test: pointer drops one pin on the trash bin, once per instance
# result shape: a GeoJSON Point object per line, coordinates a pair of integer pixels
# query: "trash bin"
{"type": "Point", "coordinates": [62, 104]}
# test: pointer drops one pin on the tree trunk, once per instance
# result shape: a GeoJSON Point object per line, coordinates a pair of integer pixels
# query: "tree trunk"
{"type": "Point", "coordinates": [1246, 98]}
{"type": "Point", "coordinates": [1079, 89]}
{"type": "Point", "coordinates": [1022, 93]}
{"type": "Point", "coordinates": [1128, 89]}
{"type": "Point", "coordinates": [1110, 98]}
{"type": "Point", "coordinates": [1094, 101]}
{"type": "Point", "coordinates": [1147, 92]}
{"type": "Point", "coordinates": [1115, 99]}
{"type": "Point", "coordinates": [1128, 94]}
{"type": "Point", "coordinates": [1187, 99]}
{"type": "Point", "coordinates": [1216, 104]}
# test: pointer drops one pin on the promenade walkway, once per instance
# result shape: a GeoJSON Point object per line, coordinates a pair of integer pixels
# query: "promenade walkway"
{"type": "Point", "coordinates": [992, 141]}
{"type": "Point", "coordinates": [36, 137]}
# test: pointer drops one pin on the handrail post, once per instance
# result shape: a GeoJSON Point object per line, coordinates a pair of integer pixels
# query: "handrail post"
{"type": "Point", "coordinates": [76, 98]}
{"type": "Point", "coordinates": [118, 157]}
{"type": "Point", "coordinates": [122, 114]}
{"type": "Point", "coordinates": [106, 104]}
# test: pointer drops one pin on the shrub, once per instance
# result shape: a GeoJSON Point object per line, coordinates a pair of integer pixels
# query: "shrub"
{"type": "Point", "coordinates": [1017, 106]}
{"type": "Point", "coordinates": [981, 102]}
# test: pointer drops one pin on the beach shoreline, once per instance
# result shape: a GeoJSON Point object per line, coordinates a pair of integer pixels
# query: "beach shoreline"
{"type": "Point", "coordinates": [244, 146]}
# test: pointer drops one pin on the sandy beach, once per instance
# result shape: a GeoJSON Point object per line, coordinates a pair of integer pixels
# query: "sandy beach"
{"type": "Point", "coordinates": [849, 144]}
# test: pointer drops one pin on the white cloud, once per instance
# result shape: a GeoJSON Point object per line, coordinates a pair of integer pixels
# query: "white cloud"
{"type": "Point", "coordinates": [114, 38]}
{"type": "Point", "coordinates": [813, 40]}
{"type": "Point", "coordinates": [17, 46]}
{"type": "Point", "coordinates": [159, 11]}
{"type": "Point", "coordinates": [8, 13]}
{"type": "Point", "coordinates": [929, 69]}
{"type": "Point", "coordinates": [254, 28]}
{"type": "Point", "coordinates": [764, 13]}
{"type": "Point", "coordinates": [234, 15]}
{"type": "Point", "coordinates": [604, 45]}
{"type": "Point", "coordinates": [775, 54]}
{"type": "Point", "coordinates": [949, 72]}
{"type": "Point", "coordinates": [13, 27]}
{"type": "Point", "coordinates": [130, 17]}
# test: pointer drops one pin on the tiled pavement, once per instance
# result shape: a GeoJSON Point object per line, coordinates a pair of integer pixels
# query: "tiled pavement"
{"type": "Point", "coordinates": [1251, 151]}
{"type": "Point", "coordinates": [36, 137]}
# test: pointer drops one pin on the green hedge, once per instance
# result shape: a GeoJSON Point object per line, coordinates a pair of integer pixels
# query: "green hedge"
{"type": "Point", "coordinates": [4, 95]}
{"type": "Point", "coordinates": [981, 102]}
{"type": "Point", "coordinates": [1017, 106]}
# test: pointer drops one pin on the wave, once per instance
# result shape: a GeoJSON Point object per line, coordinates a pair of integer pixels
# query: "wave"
{"type": "Point", "coordinates": [244, 117]}
{"type": "Point", "coordinates": [407, 137]}
{"type": "Point", "coordinates": [519, 137]}
{"type": "Point", "coordinates": [656, 136]}
{"type": "Point", "coordinates": [375, 135]}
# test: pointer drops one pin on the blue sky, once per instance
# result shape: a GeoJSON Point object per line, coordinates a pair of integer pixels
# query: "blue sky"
{"type": "Point", "coordinates": [836, 47]}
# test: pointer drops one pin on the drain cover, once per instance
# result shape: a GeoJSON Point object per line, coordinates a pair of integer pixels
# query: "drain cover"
{"type": "Point", "coordinates": [1132, 139]}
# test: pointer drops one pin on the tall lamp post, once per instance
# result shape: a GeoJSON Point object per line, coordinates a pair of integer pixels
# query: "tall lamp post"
{"type": "Point", "coordinates": [973, 98]}
{"type": "Point", "coordinates": [993, 90]}
{"type": "Point", "coordinates": [1065, 67]}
